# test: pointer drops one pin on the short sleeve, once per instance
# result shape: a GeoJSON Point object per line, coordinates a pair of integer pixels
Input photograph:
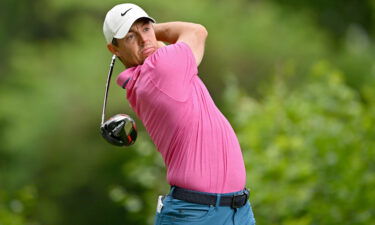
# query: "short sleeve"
{"type": "Point", "coordinates": [173, 68]}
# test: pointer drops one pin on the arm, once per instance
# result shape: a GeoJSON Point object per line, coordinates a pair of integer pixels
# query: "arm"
{"type": "Point", "coordinates": [192, 34]}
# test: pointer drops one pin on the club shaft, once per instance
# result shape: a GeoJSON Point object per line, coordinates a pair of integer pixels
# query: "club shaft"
{"type": "Point", "coordinates": [107, 87]}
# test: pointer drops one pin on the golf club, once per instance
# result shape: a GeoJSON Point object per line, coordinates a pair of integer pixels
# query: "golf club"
{"type": "Point", "coordinates": [119, 130]}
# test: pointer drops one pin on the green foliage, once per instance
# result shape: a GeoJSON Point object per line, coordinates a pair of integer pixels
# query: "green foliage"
{"type": "Point", "coordinates": [16, 206]}
{"type": "Point", "coordinates": [298, 90]}
{"type": "Point", "coordinates": [335, 16]}
{"type": "Point", "coordinates": [309, 151]}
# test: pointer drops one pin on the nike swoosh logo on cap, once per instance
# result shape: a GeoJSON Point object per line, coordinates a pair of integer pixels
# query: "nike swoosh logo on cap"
{"type": "Point", "coordinates": [123, 14]}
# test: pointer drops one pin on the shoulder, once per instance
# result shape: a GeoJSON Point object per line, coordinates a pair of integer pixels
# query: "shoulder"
{"type": "Point", "coordinates": [178, 52]}
{"type": "Point", "coordinates": [175, 57]}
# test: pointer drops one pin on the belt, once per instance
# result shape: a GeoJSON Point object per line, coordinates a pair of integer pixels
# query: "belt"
{"type": "Point", "coordinates": [234, 201]}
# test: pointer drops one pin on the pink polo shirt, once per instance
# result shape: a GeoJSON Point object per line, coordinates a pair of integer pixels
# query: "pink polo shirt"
{"type": "Point", "coordinates": [198, 145]}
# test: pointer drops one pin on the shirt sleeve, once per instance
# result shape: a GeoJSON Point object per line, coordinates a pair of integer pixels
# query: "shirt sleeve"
{"type": "Point", "coordinates": [174, 67]}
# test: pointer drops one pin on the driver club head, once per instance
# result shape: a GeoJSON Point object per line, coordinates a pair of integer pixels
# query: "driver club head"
{"type": "Point", "coordinates": [119, 130]}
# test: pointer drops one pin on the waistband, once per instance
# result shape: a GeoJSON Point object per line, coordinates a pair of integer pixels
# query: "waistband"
{"type": "Point", "coordinates": [233, 199]}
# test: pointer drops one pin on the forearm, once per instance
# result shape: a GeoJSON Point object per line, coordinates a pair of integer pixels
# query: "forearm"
{"type": "Point", "coordinates": [194, 35]}
{"type": "Point", "coordinates": [170, 32]}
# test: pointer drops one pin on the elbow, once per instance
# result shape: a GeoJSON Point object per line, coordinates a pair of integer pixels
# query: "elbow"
{"type": "Point", "coordinates": [202, 31]}
{"type": "Point", "coordinates": [199, 31]}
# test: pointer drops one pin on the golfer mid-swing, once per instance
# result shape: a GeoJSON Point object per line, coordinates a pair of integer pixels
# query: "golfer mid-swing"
{"type": "Point", "coordinates": [201, 152]}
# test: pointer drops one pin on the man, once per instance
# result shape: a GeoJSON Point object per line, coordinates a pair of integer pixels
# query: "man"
{"type": "Point", "coordinates": [204, 162]}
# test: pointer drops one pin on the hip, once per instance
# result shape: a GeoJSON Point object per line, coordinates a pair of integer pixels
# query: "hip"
{"type": "Point", "coordinates": [172, 210]}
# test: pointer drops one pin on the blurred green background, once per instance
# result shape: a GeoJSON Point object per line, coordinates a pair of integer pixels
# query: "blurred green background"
{"type": "Point", "coordinates": [296, 79]}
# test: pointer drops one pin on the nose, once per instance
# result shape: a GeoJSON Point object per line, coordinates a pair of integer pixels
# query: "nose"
{"type": "Point", "coordinates": [142, 38]}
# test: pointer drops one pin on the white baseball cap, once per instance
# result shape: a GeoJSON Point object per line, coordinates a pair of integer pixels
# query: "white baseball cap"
{"type": "Point", "coordinates": [119, 20]}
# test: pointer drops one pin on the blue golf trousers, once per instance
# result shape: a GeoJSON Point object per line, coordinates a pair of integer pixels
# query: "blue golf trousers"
{"type": "Point", "coordinates": [173, 211]}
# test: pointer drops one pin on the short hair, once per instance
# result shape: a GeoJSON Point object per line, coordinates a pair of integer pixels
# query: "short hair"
{"type": "Point", "coordinates": [115, 42]}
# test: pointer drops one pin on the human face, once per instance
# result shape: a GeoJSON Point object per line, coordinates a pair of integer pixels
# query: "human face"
{"type": "Point", "coordinates": [138, 44]}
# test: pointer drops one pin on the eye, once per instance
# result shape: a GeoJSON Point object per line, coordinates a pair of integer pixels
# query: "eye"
{"type": "Point", "coordinates": [129, 37]}
{"type": "Point", "coordinates": [146, 29]}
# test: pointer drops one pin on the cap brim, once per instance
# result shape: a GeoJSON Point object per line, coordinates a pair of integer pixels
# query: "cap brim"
{"type": "Point", "coordinates": [125, 27]}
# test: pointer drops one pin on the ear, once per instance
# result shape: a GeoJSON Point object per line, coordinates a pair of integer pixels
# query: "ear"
{"type": "Point", "coordinates": [113, 49]}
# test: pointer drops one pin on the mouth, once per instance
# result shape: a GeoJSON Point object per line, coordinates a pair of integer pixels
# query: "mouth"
{"type": "Point", "coordinates": [147, 51]}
